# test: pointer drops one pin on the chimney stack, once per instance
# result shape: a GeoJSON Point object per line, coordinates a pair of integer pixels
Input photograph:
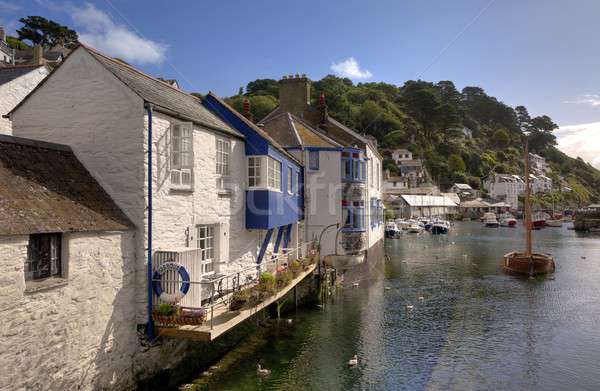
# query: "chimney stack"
{"type": "Point", "coordinates": [323, 109]}
{"type": "Point", "coordinates": [38, 55]}
{"type": "Point", "coordinates": [246, 109]}
{"type": "Point", "coordinates": [2, 34]}
{"type": "Point", "coordinates": [294, 94]}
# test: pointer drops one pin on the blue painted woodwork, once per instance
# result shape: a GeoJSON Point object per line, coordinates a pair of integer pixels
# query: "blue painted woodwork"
{"type": "Point", "coordinates": [278, 240]}
{"type": "Point", "coordinates": [265, 208]}
{"type": "Point", "coordinates": [264, 245]}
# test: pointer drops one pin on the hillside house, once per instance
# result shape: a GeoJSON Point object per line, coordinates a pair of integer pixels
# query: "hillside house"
{"type": "Point", "coordinates": [67, 289]}
{"type": "Point", "coordinates": [359, 164]}
{"type": "Point", "coordinates": [16, 82]}
{"type": "Point", "coordinates": [539, 164]}
{"type": "Point", "coordinates": [464, 191]}
{"type": "Point", "coordinates": [401, 155]}
{"type": "Point", "coordinates": [505, 188]}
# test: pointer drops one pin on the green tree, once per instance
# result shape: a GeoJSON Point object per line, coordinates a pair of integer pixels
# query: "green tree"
{"type": "Point", "coordinates": [456, 163]}
{"type": "Point", "coordinates": [41, 31]}
{"type": "Point", "coordinates": [501, 138]}
{"type": "Point", "coordinates": [17, 44]}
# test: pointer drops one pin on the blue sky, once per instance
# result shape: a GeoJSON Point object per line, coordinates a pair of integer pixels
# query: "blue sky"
{"type": "Point", "coordinates": [543, 54]}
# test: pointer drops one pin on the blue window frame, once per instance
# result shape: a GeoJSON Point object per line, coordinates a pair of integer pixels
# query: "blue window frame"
{"type": "Point", "coordinates": [313, 160]}
{"type": "Point", "coordinates": [353, 167]}
{"type": "Point", "coordinates": [353, 215]}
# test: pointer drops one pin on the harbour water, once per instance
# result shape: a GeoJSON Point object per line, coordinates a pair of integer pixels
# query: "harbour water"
{"type": "Point", "coordinates": [470, 327]}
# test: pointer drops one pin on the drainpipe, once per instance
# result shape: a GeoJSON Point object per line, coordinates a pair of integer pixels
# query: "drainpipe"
{"type": "Point", "coordinates": [150, 326]}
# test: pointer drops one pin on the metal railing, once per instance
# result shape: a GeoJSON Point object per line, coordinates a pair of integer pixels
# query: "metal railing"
{"type": "Point", "coordinates": [213, 291]}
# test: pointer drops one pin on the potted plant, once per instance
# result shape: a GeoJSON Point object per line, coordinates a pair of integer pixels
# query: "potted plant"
{"type": "Point", "coordinates": [267, 284]}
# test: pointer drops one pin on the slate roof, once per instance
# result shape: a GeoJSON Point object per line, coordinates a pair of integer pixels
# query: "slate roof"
{"type": "Point", "coordinates": [292, 132]}
{"type": "Point", "coordinates": [164, 97]}
{"type": "Point", "coordinates": [8, 74]}
{"type": "Point", "coordinates": [250, 124]}
{"type": "Point", "coordinates": [161, 94]}
{"type": "Point", "coordinates": [44, 188]}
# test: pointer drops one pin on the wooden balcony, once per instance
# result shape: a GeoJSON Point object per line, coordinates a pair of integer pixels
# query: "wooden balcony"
{"type": "Point", "coordinates": [216, 303]}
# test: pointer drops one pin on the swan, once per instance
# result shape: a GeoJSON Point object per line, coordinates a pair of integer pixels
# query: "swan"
{"type": "Point", "coordinates": [353, 361]}
{"type": "Point", "coordinates": [262, 371]}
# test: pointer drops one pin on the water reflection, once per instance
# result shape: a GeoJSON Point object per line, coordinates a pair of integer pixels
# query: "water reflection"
{"type": "Point", "coordinates": [475, 328]}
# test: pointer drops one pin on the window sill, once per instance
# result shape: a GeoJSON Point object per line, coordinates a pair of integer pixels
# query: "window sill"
{"type": "Point", "coordinates": [224, 193]}
{"type": "Point", "coordinates": [175, 189]}
{"type": "Point", "coordinates": [34, 286]}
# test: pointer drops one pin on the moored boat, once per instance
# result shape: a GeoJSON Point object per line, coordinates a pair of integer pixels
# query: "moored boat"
{"type": "Point", "coordinates": [527, 262]}
{"type": "Point", "coordinates": [439, 227]}
{"type": "Point", "coordinates": [415, 227]}
{"type": "Point", "coordinates": [490, 220]}
{"type": "Point", "coordinates": [392, 231]}
{"type": "Point", "coordinates": [507, 220]}
{"type": "Point", "coordinates": [530, 264]}
{"type": "Point", "coordinates": [554, 223]}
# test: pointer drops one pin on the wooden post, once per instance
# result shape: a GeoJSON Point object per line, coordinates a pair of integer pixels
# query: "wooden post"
{"type": "Point", "coordinates": [528, 222]}
{"type": "Point", "coordinates": [296, 297]}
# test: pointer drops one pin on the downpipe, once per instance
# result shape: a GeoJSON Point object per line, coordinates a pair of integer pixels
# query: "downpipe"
{"type": "Point", "coordinates": [150, 324]}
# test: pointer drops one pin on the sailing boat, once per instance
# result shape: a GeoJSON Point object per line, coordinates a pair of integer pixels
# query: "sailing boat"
{"type": "Point", "coordinates": [528, 262]}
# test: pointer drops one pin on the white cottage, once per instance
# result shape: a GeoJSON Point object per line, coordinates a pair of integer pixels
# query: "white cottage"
{"type": "Point", "coordinates": [67, 285]}
{"type": "Point", "coordinates": [16, 82]}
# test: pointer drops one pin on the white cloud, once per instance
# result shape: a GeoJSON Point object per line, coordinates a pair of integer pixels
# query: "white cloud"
{"type": "Point", "coordinates": [98, 30]}
{"type": "Point", "coordinates": [581, 140]}
{"type": "Point", "coordinates": [588, 99]}
{"type": "Point", "coordinates": [351, 69]}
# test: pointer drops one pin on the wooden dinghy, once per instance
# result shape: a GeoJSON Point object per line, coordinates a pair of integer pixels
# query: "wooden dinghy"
{"type": "Point", "coordinates": [531, 265]}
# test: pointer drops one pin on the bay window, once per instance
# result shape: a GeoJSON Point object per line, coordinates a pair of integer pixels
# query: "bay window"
{"type": "Point", "coordinates": [265, 172]}
{"type": "Point", "coordinates": [353, 215]}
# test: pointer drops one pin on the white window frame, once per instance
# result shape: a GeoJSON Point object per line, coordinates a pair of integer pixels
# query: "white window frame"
{"type": "Point", "coordinates": [290, 175]}
{"type": "Point", "coordinates": [181, 156]}
{"type": "Point", "coordinates": [205, 242]}
{"type": "Point", "coordinates": [222, 161]}
{"type": "Point", "coordinates": [266, 173]}
{"type": "Point", "coordinates": [255, 172]}
{"type": "Point", "coordinates": [274, 173]}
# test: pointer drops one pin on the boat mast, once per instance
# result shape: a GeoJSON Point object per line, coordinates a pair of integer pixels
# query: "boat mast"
{"type": "Point", "coordinates": [527, 216]}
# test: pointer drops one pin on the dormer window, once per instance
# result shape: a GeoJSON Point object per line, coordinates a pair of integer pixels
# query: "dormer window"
{"type": "Point", "coordinates": [181, 156]}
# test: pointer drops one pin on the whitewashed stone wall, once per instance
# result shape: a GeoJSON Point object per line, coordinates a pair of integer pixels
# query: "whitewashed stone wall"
{"type": "Point", "coordinates": [13, 92]}
{"type": "Point", "coordinates": [77, 336]}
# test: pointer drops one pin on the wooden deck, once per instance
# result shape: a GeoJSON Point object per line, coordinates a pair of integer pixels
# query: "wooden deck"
{"type": "Point", "coordinates": [225, 320]}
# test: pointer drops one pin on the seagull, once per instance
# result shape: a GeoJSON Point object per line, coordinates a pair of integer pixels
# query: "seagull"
{"type": "Point", "coordinates": [353, 361]}
{"type": "Point", "coordinates": [387, 288]}
{"type": "Point", "coordinates": [262, 371]}
{"type": "Point", "coordinates": [355, 285]}
{"type": "Point", "coordinates": [421, 298]}
{"type": "Point", "coordinates": [409, 307]}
